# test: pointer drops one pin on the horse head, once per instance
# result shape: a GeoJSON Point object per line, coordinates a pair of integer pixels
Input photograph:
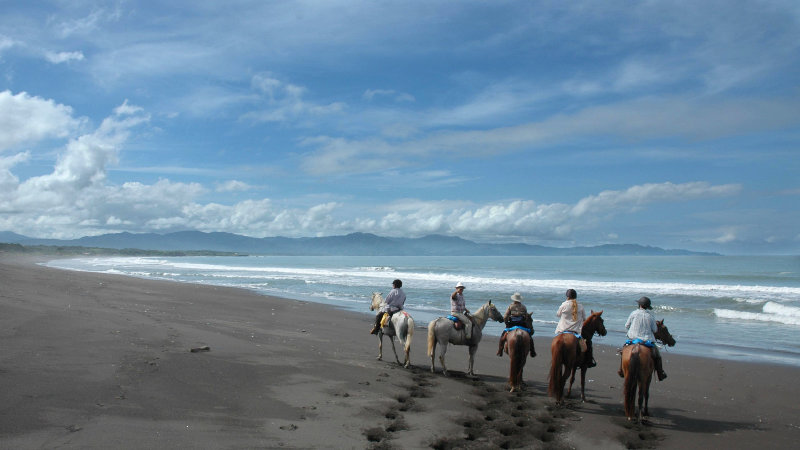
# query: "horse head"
{"type": "Point", "coordinates": [594, 324]}
{"type": "Point", "coordinates": [662, 333]}
{"type": "Point", "coordinates": [377, 299]}
{"type": "Point", "coordinates": [494, 314]}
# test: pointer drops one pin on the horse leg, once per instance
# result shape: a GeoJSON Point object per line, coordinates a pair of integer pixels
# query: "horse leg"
{"type": "Point", "coordinates": [641, 400]}
{"type": "Point", "coordinates": [647, 399]}
{"type": "Point", "coordinates": [583, 384]}
{"type": "Point", "coordinates": [380, 345]}
{"type": "Point", "coordinates": [472, 350]}
{"type": "Point", "coordinates": [396, 358]}
{"type": "Point", "coordinates": [433, 357]}
{"type": "Point", "coordinates": [571, 380]}
{"type": "Point", "coordinates": [442, 352]}
{"type": "Point", "coordinates": [406, 354]}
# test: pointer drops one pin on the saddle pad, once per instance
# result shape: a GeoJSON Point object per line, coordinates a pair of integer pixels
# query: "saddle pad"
{"type": "Point", "coordinates": [453, 318]}
{"type": "Point", "coordinates": [577, 335]}
{"type": "Point", "coordinates": [517, 327]}
{"type": "Point", "coordinates": [647, 343]}
{"type": "Point", "coordinates": [384, 319]}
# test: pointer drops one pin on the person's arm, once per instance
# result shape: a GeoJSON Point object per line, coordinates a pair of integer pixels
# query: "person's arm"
{"type": "Point", "coordinates": [390, 297]}
{"type": "Point", "coordinates": [630, 319]}
{"type": "Point", "coordinates": [560, 310]}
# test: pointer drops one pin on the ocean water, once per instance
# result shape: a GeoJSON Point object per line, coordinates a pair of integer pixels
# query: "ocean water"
{"type": "Point", "coordinates": [730, 307]}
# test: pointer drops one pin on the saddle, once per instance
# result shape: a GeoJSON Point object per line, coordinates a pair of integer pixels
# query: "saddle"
{"type": "Point", "coordinates": [581, 340]}
{"type": "Point", "coordinates": [518, 327]}
{"type": "Point", "coordinates": [456, 323]}
{"type": "Point", "coordinates": [647, 343]}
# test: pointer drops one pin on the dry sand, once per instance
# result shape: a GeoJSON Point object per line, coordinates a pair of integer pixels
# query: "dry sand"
{"type": "Point", "coordinates": [103, 361]}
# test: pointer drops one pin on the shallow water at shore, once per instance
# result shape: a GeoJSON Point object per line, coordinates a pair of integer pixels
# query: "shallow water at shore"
{"type": "Point", "coordinates": [747, 308]}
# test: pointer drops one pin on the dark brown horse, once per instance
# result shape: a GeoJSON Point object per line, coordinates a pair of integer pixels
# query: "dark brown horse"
{"type": "Point", "coordinates": [638, 366]}
{"type": "Point", "coordinates": [593, 324]}
{"type": "Point", "coordinates": [518, 347]}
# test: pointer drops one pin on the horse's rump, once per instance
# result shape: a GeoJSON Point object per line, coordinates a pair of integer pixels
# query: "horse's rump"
{"type": "Point", "coordinates": [519, 340]}
{"type": "Point", "coordinates": [637, 363]}
{"type": "Point", "coordinates": [563, 350]}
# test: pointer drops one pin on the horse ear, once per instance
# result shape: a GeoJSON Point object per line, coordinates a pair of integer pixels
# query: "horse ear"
{"type": "Point", "coordinates": [490, 302]}
{"type": "Point", "coordinates": [600, 313]}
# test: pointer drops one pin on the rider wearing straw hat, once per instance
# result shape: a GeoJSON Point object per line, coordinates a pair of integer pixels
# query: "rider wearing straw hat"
{"type": "Point", "coordinates": [458, 309]}
{"type": "Point", "coordinates": [516, 315]}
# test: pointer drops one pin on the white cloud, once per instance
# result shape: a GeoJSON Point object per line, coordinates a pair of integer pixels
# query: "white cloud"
{"type": "Point", "coordinates": [5, 42]}
{"type": "Point", "coordinates": [284, 101]}
{"type": "Point", "coordinates": [370, 95]}
{"type": "Point", "coordinates": [29, 119]}
{"type": "Point", "coordinates": [233, 186]}
{"type": "Point", "coordinates": [86, 24]}
{"type": "Point", "coordinates": [541, 221]}
{"type": "Point", "coordinates": [62, 57]}
{"type": "Point", "coordinates": [637, 120]}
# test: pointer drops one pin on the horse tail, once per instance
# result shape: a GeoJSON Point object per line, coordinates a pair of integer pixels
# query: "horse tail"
{"type": "Point", "coordinates": [410, 332]}
{"type": "Point", "coordinates": [518, 356]}
{"type": "Point", "coordinates": [631, 380]}
{"type": "Point", "coordinates": [431, 337]}
{"type": "Point", "coordinates": [555, 369]}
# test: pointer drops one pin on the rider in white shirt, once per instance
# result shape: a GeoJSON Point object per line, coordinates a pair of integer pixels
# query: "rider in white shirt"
{"type": "Point", "coordinates": [642, 325]}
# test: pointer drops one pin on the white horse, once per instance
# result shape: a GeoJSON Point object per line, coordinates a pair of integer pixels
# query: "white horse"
{"type": "Point", "coordinates": [400, 325]}
{"type": "Point", "coordinates": [442, 330]}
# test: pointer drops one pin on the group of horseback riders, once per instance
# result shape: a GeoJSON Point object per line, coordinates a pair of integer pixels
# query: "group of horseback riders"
{"type": "Point", "coordinates": [640, 326]}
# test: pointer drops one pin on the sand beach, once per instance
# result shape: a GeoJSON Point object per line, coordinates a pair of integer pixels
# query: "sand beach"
{"type": "Point", "coordinates": [103, 361]}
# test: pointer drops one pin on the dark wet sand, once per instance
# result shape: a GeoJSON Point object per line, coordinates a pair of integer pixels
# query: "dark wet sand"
{"type": "Point", "coordinates": [102, 361]}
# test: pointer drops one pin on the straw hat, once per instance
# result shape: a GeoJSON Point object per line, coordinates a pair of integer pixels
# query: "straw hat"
{"type": "Point", "coordinates": [517, 297]}
{"type": "Point", "coordinates": [460, 285]}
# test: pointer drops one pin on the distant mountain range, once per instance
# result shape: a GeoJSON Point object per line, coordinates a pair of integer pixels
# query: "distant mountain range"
{"type": "Point", "coordinates": [355, 244]}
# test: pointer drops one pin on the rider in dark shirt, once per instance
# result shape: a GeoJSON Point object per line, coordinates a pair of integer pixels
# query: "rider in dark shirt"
{"type": "Point", "coordinates": [516, 315]}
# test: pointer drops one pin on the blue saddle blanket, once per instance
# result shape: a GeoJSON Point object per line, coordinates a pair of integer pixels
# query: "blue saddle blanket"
{"type": "Point", "coordinates": [647, 343]}
{"type": "Point", "coordinates": [517, 327]}
{"type": "Point", "coordinates": [577, 335]}
{"type": "Point", "coordinates": [453, 318]}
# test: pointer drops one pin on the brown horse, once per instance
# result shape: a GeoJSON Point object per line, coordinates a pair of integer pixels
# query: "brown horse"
{"type": "Point", "coordinates": [638, 366]}
{"type": "Point", "coordinates": [518, 347]}
{"type": "Point", "coordinates": [564, 351]}
{"type": "Point", "coordinates": [593, 324]}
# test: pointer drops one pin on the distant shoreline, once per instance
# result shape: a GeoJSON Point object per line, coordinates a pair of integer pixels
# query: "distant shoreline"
{"type": "Point", "coordinates": [354, 244]}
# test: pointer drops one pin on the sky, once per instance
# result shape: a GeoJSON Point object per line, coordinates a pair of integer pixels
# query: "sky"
{"type": "Point", "coordinates": [667, 123]}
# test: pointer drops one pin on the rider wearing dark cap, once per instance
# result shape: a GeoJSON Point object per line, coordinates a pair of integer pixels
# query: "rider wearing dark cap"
{"type": "Point", "coordinates": [394, 302]}
{"type": "Point", "coordinates": [642, 325]}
